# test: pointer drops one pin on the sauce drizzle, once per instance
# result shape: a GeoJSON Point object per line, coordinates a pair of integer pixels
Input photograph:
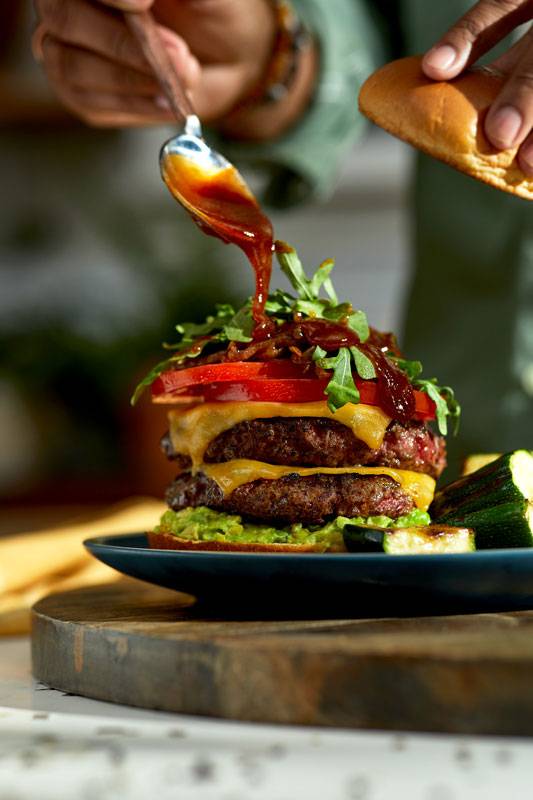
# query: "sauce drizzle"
{"type": "Point", "coordinates": [222, 205]}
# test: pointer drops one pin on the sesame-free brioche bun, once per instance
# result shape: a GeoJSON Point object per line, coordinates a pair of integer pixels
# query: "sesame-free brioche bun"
{"type": "Point", "coordinates": [166, 541]}
{"type": "Point", "coordinates": [444, 119]}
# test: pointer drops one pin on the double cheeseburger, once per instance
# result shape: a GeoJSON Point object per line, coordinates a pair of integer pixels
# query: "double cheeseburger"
{"type": "Point", "coordinates": [280, 442]}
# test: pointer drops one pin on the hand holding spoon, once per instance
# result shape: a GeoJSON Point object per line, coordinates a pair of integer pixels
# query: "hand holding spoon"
{"type": "Point", "coordinates": [202, 180]}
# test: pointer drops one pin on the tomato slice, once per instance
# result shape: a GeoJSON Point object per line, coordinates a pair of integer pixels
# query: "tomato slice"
{"type": "Point", "coordinates": [273, 390]}
{"type": "Point", "coordinates": [424, 405]}
{"type": "Point", "coordinates": [175, 380]}
{"type": "Point", "coordinates": [273, 381]}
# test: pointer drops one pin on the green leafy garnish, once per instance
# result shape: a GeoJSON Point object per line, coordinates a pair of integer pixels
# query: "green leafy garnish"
{"type": "Point", "coordinates": [445, 403]}
{"type": "Point", "coordinates": [411, 368]}
{"type": "Point", "coordinates": [341, 389]}
{"type": "Point", "coordinates": [307, 289]}
{"type": "Point", "coordinates": [357, 321]}
{"type": "Point", "coordinates": [227, 325]}
{"type": "Point", "coordinates": [365, 368]}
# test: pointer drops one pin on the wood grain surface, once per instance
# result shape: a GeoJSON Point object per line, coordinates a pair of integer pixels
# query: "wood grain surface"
{"type": "Point", "coordinates": [139, 645]}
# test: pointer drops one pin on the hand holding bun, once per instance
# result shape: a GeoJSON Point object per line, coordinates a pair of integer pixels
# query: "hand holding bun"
{"type": "Point", "coordinates": [444, 119]}
{"type": "Point", "coordinates": [509, 121]}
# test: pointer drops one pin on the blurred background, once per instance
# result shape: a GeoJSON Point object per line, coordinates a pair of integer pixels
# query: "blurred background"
{"type": "Point", "coordinates": [98, 263]}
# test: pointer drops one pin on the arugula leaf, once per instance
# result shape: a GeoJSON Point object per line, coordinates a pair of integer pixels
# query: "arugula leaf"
{"type": "Point", "coordinates": [280, 303]}
{"type": "Point", "coordinates": [311, 308]}
{"type": "Point", "coordinates": [359, 323]}
{"type": "Point", "coordinates": [364, 366]}
{"type": "Point", "coordinates": [341, 388]}
{"type": "Point", "coordinates": [330, 290]}
{"type": "Point", "coordinates": [430, 387]}
{"type": "Point", "coordinates": [319, 354]}
{"type": "Point", "coordinates": [411, 368]}
{"type": "Point", "coordinates": [321, 278]}
{"type": "Point", "coordinates": [338, 312]}
{"type": "Point", "coordinates": [241, 325]}
{"type": "Point", "coordinates": [307, 289]}
{"type": "Point", "coordinates": [224, 325]}
{"type": "Point", "coordinates": [454, 409]}
{"type": "Point", "coordinates": [149, 379]}
{"type": "Point", "coordinates": [292, 267]}
{"type": "Point", "coordinates": [192, 350]}
{"type": "Point", "coordinates": [224, 310]}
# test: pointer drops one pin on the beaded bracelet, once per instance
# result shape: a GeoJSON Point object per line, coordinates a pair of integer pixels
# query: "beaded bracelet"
{"type": "Point", "coordinates": [292, 37]}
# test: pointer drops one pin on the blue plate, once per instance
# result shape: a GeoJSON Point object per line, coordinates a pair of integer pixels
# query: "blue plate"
{"type": "Point", "coordinates": [342, 584]}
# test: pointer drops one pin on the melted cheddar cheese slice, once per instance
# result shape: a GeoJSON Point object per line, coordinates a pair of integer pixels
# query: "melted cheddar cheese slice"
{"type": "Point", "coordinates": [232, 474]}
{"type": "Point", "coordinates": [192, 430]}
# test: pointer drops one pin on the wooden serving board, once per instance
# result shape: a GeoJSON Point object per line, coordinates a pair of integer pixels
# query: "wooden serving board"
{"type": "Point", "coordinates": [140, 645]}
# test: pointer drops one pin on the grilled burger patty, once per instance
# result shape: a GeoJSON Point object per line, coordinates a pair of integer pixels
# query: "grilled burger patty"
{"type": "Point", "coordinates": [322, 442]}
{"type": "Point", "coordinates": [307, 499]}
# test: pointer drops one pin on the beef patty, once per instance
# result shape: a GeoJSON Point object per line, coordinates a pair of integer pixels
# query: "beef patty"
{"type": "Point", "coordinates": [322, 442]}
{"type": "Point", "coordinates": [308, 499]}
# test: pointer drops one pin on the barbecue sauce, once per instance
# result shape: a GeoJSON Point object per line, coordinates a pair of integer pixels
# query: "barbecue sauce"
{"type": "Point", "coordinates": [395, 393]}
{"type": "Point", "coordinates": [222, 205]}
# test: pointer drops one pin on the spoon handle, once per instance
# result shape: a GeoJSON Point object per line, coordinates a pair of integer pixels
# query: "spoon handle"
{"type": "Point", "coordinates": [144, 28]}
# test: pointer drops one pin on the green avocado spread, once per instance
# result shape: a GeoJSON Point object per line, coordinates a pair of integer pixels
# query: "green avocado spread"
{"type": "Point", "coordinates": [202, 524]}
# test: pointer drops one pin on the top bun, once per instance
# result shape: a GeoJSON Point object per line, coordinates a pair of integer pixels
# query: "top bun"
{"type": "Point", "coordinates": [444, 119]}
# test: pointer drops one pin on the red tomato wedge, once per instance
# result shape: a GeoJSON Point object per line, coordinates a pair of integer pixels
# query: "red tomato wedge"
{"type": "Point", "coordinates": [271, 381]}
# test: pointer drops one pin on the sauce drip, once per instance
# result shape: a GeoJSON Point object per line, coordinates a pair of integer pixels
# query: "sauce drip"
{"type": "Point", "coordinates": [395, 393]}
{"type": "Point", "coordinates": [222, 205]}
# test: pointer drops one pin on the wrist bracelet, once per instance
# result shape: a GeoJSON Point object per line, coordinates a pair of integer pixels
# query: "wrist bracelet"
{"type": "Point", "coordinates": [292, 37]}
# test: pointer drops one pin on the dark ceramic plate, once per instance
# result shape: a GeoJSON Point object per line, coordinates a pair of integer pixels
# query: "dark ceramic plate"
{"type": "Point", "coordinates": [343, 584]}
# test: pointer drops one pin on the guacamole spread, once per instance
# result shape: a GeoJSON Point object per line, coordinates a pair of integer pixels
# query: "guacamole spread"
{"type": "Point", "coordinates": [204, 524]}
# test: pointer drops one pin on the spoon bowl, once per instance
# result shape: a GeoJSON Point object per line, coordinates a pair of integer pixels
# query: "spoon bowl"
{"type": "Point", "coordinates": [191, 145]}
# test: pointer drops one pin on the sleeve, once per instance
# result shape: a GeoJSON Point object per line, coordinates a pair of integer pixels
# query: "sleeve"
{"type": "Point", "coordinates": [305, 161]}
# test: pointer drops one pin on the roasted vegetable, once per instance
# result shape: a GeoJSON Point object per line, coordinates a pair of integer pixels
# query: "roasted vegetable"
{"type": "Point", "coordinates": [408, 541]}
{"type": "Point", "coordinates": [495, 501]}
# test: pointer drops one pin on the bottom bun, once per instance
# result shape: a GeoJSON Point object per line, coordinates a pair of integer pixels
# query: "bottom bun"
{"type": "Point", "coordinates": [166, 541]}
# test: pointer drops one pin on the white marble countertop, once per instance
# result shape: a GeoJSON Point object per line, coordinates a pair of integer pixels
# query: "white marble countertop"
{"type": "Point", "coordinates": [62, 747]}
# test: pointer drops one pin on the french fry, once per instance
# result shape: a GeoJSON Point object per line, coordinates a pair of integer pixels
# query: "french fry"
{"type": "Point", "coordinates": [30, 558]}
{"type": "Point", "coordinates": [15, 607]}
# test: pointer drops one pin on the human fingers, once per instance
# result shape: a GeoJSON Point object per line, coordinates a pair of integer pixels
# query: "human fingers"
{"type": "Point", "coordinates": [509, 121]}
{"type": "Point", "coordinates": [107, 109]}
{"type": "Point", "coordinates": [80, 69]}
{"type": "Point", "coordinates": [525, 156]}
{"type": "Point", "coordinates": [93, 27]}
{"type": "Point", "coordinates": [485, 24]}
{"type": "Point", "coordinates": [128, 5]}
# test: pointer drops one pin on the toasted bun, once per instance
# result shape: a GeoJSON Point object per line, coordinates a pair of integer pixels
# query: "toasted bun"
{"type": "Point", "coordinates": [444, 119]}
{"type": "Point", "coordinates": [166, 541]}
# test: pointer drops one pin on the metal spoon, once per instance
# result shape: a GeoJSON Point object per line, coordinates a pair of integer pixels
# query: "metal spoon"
{"type": "Point", "coordinates": [203, 181]}
{"type": "Point", "coordinates": [189, 145]}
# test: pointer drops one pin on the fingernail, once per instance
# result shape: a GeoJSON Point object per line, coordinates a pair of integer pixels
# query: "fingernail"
{"type": "Point", "coordinates": [442, 57]}
{"type": "Point", "coordinates": [504, 126]}
{"type": "Point", "coordinates": [161, 102]}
